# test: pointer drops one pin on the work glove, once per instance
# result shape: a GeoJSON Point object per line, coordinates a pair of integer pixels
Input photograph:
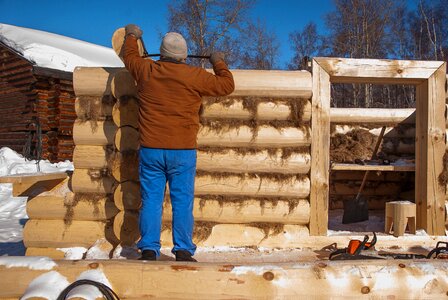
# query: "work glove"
{"type": "Point", "coordinates": [134, 30]}
{"type": "Point", "coordinates": [215, 57]}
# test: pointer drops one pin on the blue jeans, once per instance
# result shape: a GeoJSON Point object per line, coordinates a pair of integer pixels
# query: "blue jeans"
{"type": "Point", "coordinates": [178, 167]}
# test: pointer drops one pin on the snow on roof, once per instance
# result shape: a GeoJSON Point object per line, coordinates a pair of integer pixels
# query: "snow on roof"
{"type": "Point", "coordinates": [56, 51]}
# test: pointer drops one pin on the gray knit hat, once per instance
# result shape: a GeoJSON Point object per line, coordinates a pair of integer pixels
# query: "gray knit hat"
{"type": "Point", "coordinates": [174, 46]}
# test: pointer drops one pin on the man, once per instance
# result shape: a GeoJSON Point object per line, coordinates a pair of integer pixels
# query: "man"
{"type": "Point", "coordinates": [170, 94]}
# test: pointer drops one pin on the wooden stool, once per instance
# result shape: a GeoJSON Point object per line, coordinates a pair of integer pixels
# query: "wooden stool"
{"type": "Point", "coordinates": [400, 214]}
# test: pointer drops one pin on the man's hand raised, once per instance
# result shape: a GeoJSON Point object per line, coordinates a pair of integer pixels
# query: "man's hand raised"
{"type": "Point", "coordinates": [134, 30]}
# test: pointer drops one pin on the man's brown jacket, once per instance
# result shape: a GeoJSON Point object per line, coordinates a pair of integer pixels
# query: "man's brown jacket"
{"type": "Point", "coordinates": [170, 97]}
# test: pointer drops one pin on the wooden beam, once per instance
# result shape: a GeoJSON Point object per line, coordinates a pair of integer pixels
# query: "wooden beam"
{"type": "Point", "coordinates": [133, 279]}
{"type": "Point", "coordinates": [27, 184]}
{"type": "Point", "coordinates": [320, 151]}
{"type": "Point", "coordinates": [430, 148]}
{"type": "Point", "coordinates": [353, 167]}
{"type": "Point", "coordinates": [347, 70]}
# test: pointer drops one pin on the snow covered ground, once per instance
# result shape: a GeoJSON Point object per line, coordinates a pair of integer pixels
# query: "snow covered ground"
{"type": "Point", "coordinates": [56, 51]}
{"type": "Point", "coordinates": [13, 209]}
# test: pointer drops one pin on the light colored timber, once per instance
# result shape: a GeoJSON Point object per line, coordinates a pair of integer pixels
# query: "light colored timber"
{"type": "Point", "coordinates": [93, 81]}
{"type": "Point", "coordinates": [265, 111]}
{"type": "Point", "coordinates": [430, 149]}
{"type": "Point", "coordinates": [296, 211]}
{"type": "Point", "coordinates": [127, 196]}
{"type": "Point", "coordinates": [244, 137]}
{"type": "Point", "coordinates": [100, 133]}
{"type": "Point", "coordinates": [53, 253]}
{"type": "Point", "coordinates": [296, 280]}
{"type": "Point", "coordinates": [375, 116]}
{"type": "Point", "coordinates": [320, 149]}
{"type": "Point", "coordinates": [261, 83]}
{"type": "Point", "coordinates": [118, 40]}
{"type": "Point", "coordinates": [59, 208]}
{"type": "Point", "coordinates": [57, 234]}
{"type": "Point", "coordinates": [91, 181]}
{"type": "Point", "coordinates": [102, 106]}
{"type": "Point", "coordinates": [28, 184]}
{"type": "Point", "coordinates": [127, 138]}
{"type": "Point", "coordinates": [355, 167]}
{"type": "Point", "coordinates": [257, 186]}
{"type": "Point", "coordinates": [123, 85]}
{"type": "Point", "coordinates": [390, 132]}
{"type": "Point", "coordinates": [94, 157]}
{"type": "Point", "coordinates": [126, 228]}
{"type": "Point", "coordinates": [348, 70]}
{"type": "Point", "coordinates": [262, 162]}
{"type": "Point", "coordinates": [90, 157]}
{"type": "Point", "coordinates": [373, 176]}
{"type": "Point", "coordinates": [125, 112]}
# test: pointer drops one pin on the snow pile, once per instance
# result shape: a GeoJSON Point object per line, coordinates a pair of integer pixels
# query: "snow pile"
{"type": "Point", "coordinates": [12, 163]}
{"type": "Point", "coordinates": [55, 51]}
{"type": "Point", "coordinates": [31, 262]}
{"type": "Point", "coordinates": [48, 286]}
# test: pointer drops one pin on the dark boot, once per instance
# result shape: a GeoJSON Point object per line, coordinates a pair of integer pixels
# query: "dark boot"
{"type": "Point", "coordinates": [148, 255]}
{"type": "Point", "coordinates": [182, 255]}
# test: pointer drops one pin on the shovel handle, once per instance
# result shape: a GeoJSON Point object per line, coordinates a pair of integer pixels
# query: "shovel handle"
{"type": "Point", "coordinates": [189, 56]}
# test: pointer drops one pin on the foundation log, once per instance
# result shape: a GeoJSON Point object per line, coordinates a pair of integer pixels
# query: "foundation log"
{"type": "Point", "coordinates": [56, 234]}
{"type": "Point", "coordinates": [60, 208]}
{"type": "Point", "coordinates": [258, 187]}
{"type": "Point", "coordinates": [91, 181]}
{"type": "Point", "coordinates": [99, 133]}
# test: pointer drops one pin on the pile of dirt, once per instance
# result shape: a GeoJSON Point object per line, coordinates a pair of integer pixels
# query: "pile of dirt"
{"type": "Point", "coordinates": [356, 144]}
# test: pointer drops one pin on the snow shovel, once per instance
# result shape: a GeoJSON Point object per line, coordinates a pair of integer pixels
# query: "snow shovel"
{"type": "Point", "coordinates": [357, 210]}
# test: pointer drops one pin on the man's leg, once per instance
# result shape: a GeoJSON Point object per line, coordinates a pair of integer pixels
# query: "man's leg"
{"type": "Point", "coordinates": [181, 170]}
{"type": "Point", "coordinates": [152, 187]}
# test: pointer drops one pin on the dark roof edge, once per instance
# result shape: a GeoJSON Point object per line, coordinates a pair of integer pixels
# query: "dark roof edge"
{"type": "Point", "coordinates": [54, 73]}
{"type": "Point", "coordinates": [16, 52]}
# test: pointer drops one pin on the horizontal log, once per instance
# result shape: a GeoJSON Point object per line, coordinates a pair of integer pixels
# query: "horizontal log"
{"type": "Point", "coordinates": [60, 208]}
{"type": "Point", "coordinates": [266, 136]}
{"type": "Point", "coordinates": [123, 85]}
{"type": "Point", "coordinates": [293, 280]}
{"type": "Point", "coordinates": [127, 196]}
{"type": "Point", "coordinates": [56, 234]}
{"type": "Point", "coordinates": [265, 111]}
{"type": "Point", "coordinates": [94, 157]}
{"type": "Point", "coordinates": [97, 81]}
{"type": "Point", "coordinates": [256, 186]}
{"type": "Point", "coordinates": [99, 133]}
{"type": "Point", "coordinates": [373, 176]}
{"type": "Point", "coordinates": [390, 132]}
{"type": "Point", "coordinates": [387, 188]}
{"type": "Point", "coordinates": [87, 181]}
{"type": "Point", "coordinates": [295, 211]}
{"type": "Point", "coordinates": [127, 138]}
{"type": "Point", "coordinates": [93, 81]}
{"type": "Point", "coordinates": [52, 253]}
{"type": "Point", "coordinates": [125, 112]}
{"type": "Point", "coordinates": [98, 107]}
{"type": "Point", "coordinates": [262, 162]}
{"type": "Point", "coordinates": [90, 157]}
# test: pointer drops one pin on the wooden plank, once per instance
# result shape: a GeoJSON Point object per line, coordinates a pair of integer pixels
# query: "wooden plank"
{"type": "Point", "coordinates": [430, 148]}
{"type": "Point", "coordinates": [320, 150]}
{"type": "Point", "coordinates": [353, 167]}
{"type": "Point", "coordinates": [133, 279]}
{"type": "Point", "coordinates": [347, 70]}
{"type": "Point", "coordinates": [27, 184]}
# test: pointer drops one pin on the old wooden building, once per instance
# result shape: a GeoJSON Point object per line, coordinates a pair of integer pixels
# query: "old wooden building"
{"type": "Point", "coordinates": [36, 108]}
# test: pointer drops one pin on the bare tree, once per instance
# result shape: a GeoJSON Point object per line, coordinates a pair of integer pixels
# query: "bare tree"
{"type": "Point", "coordinates": [209, 25]}
{"type": "Point", "coordinates": [305, 44]}
{"type": "Point", "coordinates": [260, 47]}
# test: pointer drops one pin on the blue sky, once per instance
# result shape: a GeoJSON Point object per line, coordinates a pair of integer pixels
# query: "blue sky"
{"type": "Point", "coordinates": [95, 21]}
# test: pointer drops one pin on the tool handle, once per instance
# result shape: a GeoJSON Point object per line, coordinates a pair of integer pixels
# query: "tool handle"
{"type": "Point", "coordinates": [375, 150]}
{"type": "Point", "coordinates": [189, 56]}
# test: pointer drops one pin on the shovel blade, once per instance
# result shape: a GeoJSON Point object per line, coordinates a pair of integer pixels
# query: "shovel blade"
{"type": "Point", "coordinates": [355, 210]}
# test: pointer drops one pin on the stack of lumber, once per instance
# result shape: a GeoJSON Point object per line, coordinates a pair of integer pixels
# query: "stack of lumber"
{"type": "Point", "coordinates": [30, 103]}
{"type": "Point", "coordinates": [252, 184]}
